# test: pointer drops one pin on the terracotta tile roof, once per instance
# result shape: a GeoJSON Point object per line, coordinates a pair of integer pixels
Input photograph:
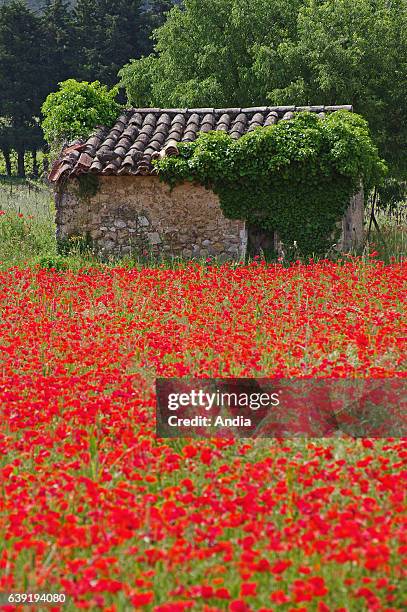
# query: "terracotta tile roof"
{"type": "Point", "coordinates": [142, 134]}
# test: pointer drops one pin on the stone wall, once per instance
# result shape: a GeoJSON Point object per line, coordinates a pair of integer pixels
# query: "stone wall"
{"type": "Point", "coordinates": [142, 216]}
{"type": "Point", "coordinates": [352, 234]}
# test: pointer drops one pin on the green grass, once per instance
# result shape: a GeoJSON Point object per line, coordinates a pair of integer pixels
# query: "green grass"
{"type": "Point", "coordinates": [391, 241]}
{"type": "Point", "coordinates": [27, 228]}
{"type": "Point", "coordinates": [27, 231]}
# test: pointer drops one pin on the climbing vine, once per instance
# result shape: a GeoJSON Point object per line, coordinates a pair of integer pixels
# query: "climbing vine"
{"type": "Point", "coordinates": [88, 186]}
{"type": "Point", "coordinates": [295, 177]}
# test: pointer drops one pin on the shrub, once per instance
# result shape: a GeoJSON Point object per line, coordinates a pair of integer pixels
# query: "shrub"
{"type": "Point", "coordinates": [76, 109]}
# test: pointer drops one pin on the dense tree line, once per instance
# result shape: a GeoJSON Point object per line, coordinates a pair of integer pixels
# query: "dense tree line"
{"type": "Point", "coordinates": [238, 53]}
{"type": "Point", "coordinates": [210, 53]}
{"type": "Point", "coordinates": [55, 40]}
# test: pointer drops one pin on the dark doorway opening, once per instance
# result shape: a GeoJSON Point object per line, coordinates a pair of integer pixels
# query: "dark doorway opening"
{"type": "Point", "coordinates": [260, 242]}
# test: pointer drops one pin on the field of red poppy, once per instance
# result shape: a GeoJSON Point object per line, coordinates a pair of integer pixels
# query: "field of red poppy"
{"type": "Point", "coordinates": [94, 506]}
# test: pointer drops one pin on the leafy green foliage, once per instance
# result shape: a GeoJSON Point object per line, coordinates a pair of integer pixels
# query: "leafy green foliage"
{"type": "Point", "coordinates": [36, 5]}
{"type": "Point", "coordinates": [108, 34]}
{"type": "Point", "coordinates": [22, 53]}
{"type": "Point", "coordinates": [59, 34]}
{"type": "Point", "coordinates": [23, 80]}
{"type": "Point", "coordinates": [88, 185]}
{"type": "Point", "coordinates": [75, 110]}
{"type": "Point", "coordinates": [295, 178]}
{"type": "Point", "coordinates": [237, 53]}
{"type": "Point", "coordinates": [45, 42]}
{"type": "Point", "coordinates": [348, 52]}
{"type": "Point", "coordinates": [205, 54]}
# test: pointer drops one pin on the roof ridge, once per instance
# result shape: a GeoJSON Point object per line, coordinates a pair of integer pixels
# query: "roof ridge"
{"type": "Point", "coordinates": [249, 109]}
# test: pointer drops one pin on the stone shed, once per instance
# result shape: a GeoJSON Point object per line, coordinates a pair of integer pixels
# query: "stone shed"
{"type": "Point", "coordinates": [108, 192]}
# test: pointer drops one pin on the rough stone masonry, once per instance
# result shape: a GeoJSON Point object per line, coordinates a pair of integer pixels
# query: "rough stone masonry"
{"type": "Point", "coordinates": [153, 220]}
{"type": "Point", "coordinates": [120, 220]}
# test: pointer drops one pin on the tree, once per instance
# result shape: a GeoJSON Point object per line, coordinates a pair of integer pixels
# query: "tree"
{"type": "Point", "coordinates": [22, 77]}
{"type": "Point", "coordinates": [235, 53]}
{"type": "Point", "coordinates": [75, 110]}
{"type": "Point", "coordinates": [52, 43]}
{"type": "Point", "coordinates": [108, 34]}
{"type": "Point", "coordinates": [355, 53]}
{"type": "Point", "coordinates": [157, 11]}
{"type": "Point", "coordinates": [35, 5]}
{"type": "Point", "coordinates": [205, 54]}
{"type": "Point", "coordinates": [62, 57]}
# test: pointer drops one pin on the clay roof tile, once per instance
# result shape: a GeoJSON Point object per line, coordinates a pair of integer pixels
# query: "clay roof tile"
{"type": "Point", "coordinates": [141, 133]}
